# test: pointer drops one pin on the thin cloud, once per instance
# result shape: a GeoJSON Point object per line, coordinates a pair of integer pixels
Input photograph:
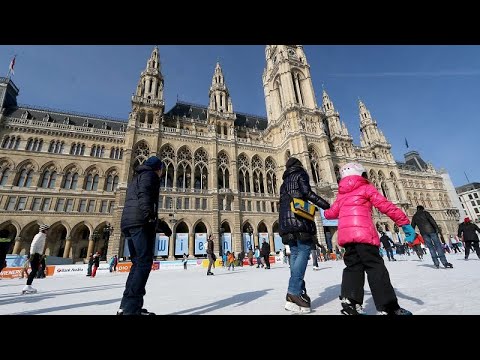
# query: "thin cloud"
{"type": "Point", "coordinates": [411, 74]}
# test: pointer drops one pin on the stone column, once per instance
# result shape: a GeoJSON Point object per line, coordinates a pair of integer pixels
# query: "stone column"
{"type": "Point", "coordinates": [191, 246]}
{"type": "Point", "coordinates": [17, 246]}
{"type": "Point", "coordinates": [171, 248]}
{"type": "Point", "coordinates": [271, 241]}
{"type": "Point", "coordinates": [91, 245]}
{"type": "Point", "coordinates": [68, 246]}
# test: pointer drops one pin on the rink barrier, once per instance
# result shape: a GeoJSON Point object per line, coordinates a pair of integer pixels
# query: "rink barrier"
{"type": "Point", "coordinates": [81, 269]}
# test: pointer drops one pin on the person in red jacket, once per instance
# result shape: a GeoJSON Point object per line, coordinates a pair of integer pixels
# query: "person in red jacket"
{"type": "Point", "coordinates": [358, 235]}
{"type": "Point", "coordinates": [416, 245]}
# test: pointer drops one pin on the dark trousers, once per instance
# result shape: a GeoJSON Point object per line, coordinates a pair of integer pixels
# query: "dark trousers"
{"type": "Point", "coordinates": [89, 270]}
{"type": "Point", "coordinates": [34, 264]}
{"type": "Point", "coordinates": [210, 262]}
{"type": "Point", "coordinates": [418, 250]}
{"type": "Point", "coordinates": [141, 241]}
{"type": "Point", "coordinates": [4, 246]}
{"type": "Point", "coordinates": [473, 245]}
{"type": "Point", "coordinates": [361, 258]}
{"type": "Point", "coordinates": [267, 260]}
{"type": "Point", "coordinates": [314, 257]}
{"type": "Point", "coordinates": [389, 252]}
{"type": "Point", "coordinates": [456, 248]}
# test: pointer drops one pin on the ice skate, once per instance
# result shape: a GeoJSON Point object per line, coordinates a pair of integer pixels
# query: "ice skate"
{"type": "Point", "coordinates": [142, 312]}
{"type": "Point", "coordinates": [351, 308]}
{"type": "Point", "coordinates": [28, 289]}
{"type": "Point", "coordinates": [297, 304]}
{"type": "Point", "coordinates": [399, 311]}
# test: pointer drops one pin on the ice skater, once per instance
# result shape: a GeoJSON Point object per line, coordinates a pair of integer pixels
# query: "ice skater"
{"type": "Point", "coordinates": [358, 235]}
{"type": "Point", "coordinates": [36, 253]}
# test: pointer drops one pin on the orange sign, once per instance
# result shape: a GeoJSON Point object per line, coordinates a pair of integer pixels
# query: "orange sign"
{"type": "Point", "coordinates": [124, 267]}
{"type": "Point", "coordinates": [11, 273]}
{"type": "Point", "coordinates": [16, 272]}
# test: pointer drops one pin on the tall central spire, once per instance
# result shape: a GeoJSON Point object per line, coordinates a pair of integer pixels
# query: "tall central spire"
{"type": "Point", "coordinates": [150, 85]}
{"type": "Point", "coordinates": [287, 81]}
{"type": "Point", "coordinates": [220, 99]}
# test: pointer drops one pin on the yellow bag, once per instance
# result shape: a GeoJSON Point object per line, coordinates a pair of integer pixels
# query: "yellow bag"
{"type": "Point", "coordinates": [303, 208]}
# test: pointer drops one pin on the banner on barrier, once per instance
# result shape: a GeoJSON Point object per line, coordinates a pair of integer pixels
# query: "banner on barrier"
{"type": "Point", "coordinates": [248, 242]}
{"type": "Point", "coordinates": [277, 241]}
{"type": "Point", "coordinates": [181, 244]}
{"type": "Point", "coordinates": [261, 238]}
{"type": "Point", "coordinates": [200, 244]}
{"type": "Point", "coordinates": [161, 245]}
{"type": "Point", "coordinates": [226, 242]}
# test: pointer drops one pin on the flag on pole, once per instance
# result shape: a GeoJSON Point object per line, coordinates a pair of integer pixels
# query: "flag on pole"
{"type": "Point", "coordinates": [12, 65]}
{"type": "Point", "coordinates": [406, 143]}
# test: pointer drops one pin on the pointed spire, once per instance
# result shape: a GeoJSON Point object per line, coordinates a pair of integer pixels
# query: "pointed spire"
{"type": "Point", "coordinates": [326, 102]}
{"type": "Point", "coordinates": [218, 78]}
{"type": "Point", "coordinates": [365, 117]}
{"type": "Point", "coordinates": [153, 63]}
{"type": "Point", "coordinates": [219, 97]}
{"type": "Point", "coordinates": [150, 85]}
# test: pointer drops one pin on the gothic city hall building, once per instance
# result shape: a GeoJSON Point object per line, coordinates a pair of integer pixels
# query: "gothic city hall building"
{"type": "Point", "coordinates": [224, 168]}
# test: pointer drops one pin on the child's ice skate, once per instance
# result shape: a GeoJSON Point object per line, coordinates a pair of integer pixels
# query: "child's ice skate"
{"type": "Point", "coordinates": [399, 311]}
{"type": "Point", "coordinates": [351, 308]}
{"type": "Point", "coordinates": [28, 289]}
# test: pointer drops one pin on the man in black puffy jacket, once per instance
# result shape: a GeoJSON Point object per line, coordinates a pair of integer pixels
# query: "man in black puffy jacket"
{"type": "Point", "coordinates": [297, 232]}
{"type": "Point", "coordinates": [139, 225]}
{"type": "Point", "coordinates": [468, 231]}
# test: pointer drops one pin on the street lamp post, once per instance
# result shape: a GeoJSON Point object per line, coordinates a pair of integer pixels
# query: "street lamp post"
{"type": "Point", "coordinates": [221, 231]}
{"type": "Point", "coordinates": [250, 232]}
{"type": "Point", "coordinates": [107, 232]}
{"type": "Point", "coordinates": [95, 236]}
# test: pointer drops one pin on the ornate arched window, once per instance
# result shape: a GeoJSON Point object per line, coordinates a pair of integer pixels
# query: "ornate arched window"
{"type": "Point", "coordinates": [314, 164]}
{"type": "Point", "coordinates": [243, 173]}
{"type": "Point", "coordinates": [140, 154]}
{"type": "Point", "coordinates": [201, 169]}
{"type": "Point", "coordinates": [270, 167]}
{"type": "Point", "coordinates": [223, 173]}
{"type": "Point", "coordinates": [257, 169]}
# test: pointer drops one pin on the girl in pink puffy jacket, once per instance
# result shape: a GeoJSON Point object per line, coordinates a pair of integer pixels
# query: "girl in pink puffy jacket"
{"type": "Point", "coordinates": [358, 235]}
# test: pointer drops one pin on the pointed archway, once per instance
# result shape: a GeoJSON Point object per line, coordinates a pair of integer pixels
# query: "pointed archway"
{"type": "Point", "coordinates": [80, 241]}
{"type": "Point", "coordinates": [56, 240]}
{"type": "Point", "coordinates": [27, 234]}
{"type": "Point", "coordinates": [225, 235]}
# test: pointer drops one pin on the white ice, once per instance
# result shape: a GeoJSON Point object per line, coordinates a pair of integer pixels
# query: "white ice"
{"type": "Point", "coordinates": [420, 288]}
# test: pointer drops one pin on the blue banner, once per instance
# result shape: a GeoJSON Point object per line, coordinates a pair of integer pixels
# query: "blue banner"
{"type": "Point", "coordinates": [226, 242]}
{"type": "Point", "coordinates": [200, 244]}
{"type": "Point", "coordinates": [326, 222]}
{"type": "Point", "coordinates": [261, 238]}
{"type": "Point", "coordinates": [161, 245]}
{"type": "Point", "coordinates": [181, 244]}
{"type": "Point", "coordinates": [15, 260]}
{"type": "Point", "coordinates": [277, 240]}
{"type": "Point", "coordinates": [248, 242]}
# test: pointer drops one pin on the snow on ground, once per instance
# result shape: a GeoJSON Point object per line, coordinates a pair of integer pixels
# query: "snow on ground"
{"type": "Point", "coordinates": [420, 287]}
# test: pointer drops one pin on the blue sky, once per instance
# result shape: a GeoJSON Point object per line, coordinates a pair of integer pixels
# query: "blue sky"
{"type": "Point", "coordinates": [427, 94]}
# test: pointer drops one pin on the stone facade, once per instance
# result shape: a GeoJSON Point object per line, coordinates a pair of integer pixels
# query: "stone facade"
{"type": "Point", "coordinates": [224, 168]}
